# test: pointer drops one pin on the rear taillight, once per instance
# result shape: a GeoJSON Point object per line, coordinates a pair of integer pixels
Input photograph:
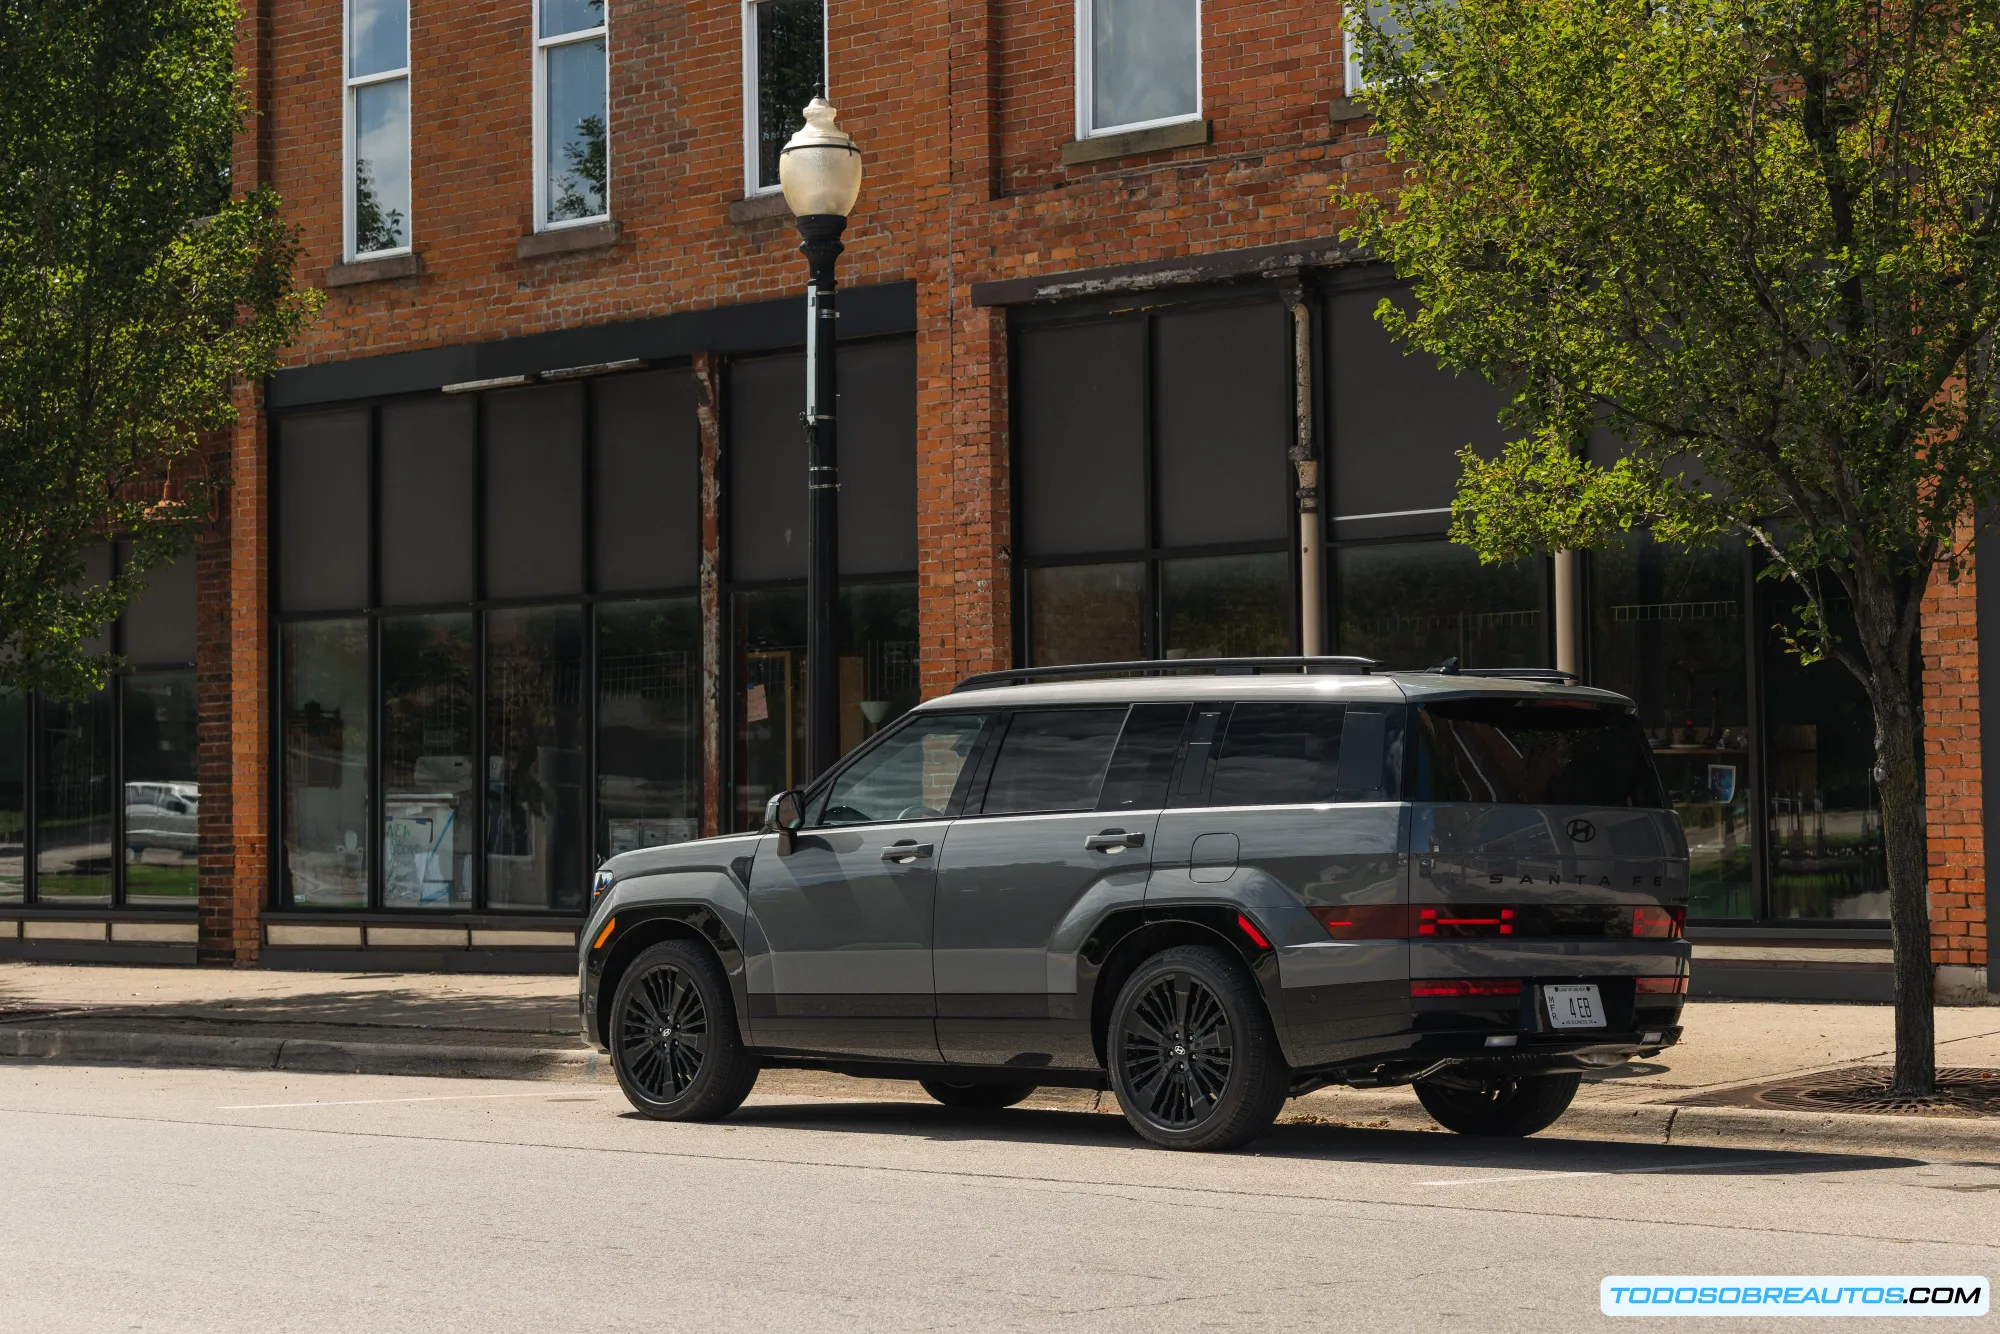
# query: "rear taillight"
{"type": "Point", "coordinates": [1365, 921]}
{"type": "Point", "coordinates": [1660, 986]}
{"type": "Point", "coordinates": [1658, 923]}
{"type": "Point", "coordinates": [1457, 988]}
{"type": "Point", "coordinates": [1465, 921]}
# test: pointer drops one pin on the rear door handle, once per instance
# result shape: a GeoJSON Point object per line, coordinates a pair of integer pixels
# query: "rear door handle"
{"type": "Point", "coordinates": [1113, 840]}
{"type": "Point", "coordinates": [905, 852]}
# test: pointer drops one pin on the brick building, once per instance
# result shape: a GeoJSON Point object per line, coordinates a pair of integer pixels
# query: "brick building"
{"type": "Point", "coordinates": [511, 571]}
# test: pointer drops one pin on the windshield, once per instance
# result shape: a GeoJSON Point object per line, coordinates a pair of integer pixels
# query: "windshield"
{"type": "Point", "coordinates": [1534, 753]}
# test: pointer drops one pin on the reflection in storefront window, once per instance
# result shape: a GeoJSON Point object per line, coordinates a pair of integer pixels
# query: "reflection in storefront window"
{"type": "Point", "coordinates": [1226, 606]}
{"type": "Point", "coordinates": [1667, 630]}
{"type": "Point", "coordinates": [648, 724]}
{"type": "Point", "coordinates": [162, 796]}
{"type": "Point", "coordinates": [878, 681]}
{"type": "Point", "coordinates": [535, 758]}
{"type": "Point", "coordinates": [1411, 605]}
{"type": "Point", "coordinates": [1825, 827]}
{"type": "Point", "coordinates": [427, 748]}
{"type": "Point", "coordinates": [73, 801]}
{"type": "Point", "coordinates": [13, 796]}
{"type": "Point", "coordinates": [326, 763]}
{"type": "Point", "coordinates": [1087, 613]}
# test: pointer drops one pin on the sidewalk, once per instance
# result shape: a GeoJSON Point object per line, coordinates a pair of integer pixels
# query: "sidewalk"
{"type": "Point", "coordinates": [525, 1027]}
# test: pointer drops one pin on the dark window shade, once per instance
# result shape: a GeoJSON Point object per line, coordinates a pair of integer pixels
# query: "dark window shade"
{"type": "Point", "coordinates": [878, 457]}
{"type": "Point", "coordinates": [427, 491]}
{"type": "Point", "coordinates": [767, 468]}
{"type": "Point", "coordinates": [1081, 438]}
{"type": "Point", "coordinates": [323, 511]}
{"type": "Point", "coordinates": [1281, 754]}
{"type": "Point", "coordinates": [648, 483]}
{"type": "Point", "coordinates": [158, 627]}
{"type": "Point", "coordinates": [1144, 762]}
{"type": "Point", "coordinates": [1223, 419]}
{"type": "Point", "coordinates": [534, 492]}
{"type": "Point", "coordinates": [1052, 760]}
{"type": "Point", "coordinates": [1398, 421]}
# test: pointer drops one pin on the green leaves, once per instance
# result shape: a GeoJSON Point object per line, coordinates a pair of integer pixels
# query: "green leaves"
{"type": "Point", "coordinates": [134, 293]}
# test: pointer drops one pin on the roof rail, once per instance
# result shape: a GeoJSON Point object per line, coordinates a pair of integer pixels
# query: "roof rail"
{"type": "Point", "coordinates": [1547, 676]}
{"type": "Point", "coordinates": [1313, 666]}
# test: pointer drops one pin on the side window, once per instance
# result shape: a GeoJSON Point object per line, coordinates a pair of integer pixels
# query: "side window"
{"type": "Point", "coordinates": [1138, 64]}
{"type": "Point", "coordinates": [572, 163]}
{"type": "Point", "coordinates": [910, 776]}
{"type": "Point", "coordinates": [784, 67]}
{"type": "Point", "coordinates": [1299, 754]}
{"type": "Point", "coordinates": [1144, 762]}
{"type": "Point", "coordinates": [1053, 760]}
{"type": "Point", "coordinates": [378, 128]}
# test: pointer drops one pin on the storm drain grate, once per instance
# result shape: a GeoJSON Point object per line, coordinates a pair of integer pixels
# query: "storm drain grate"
{"type": "Point", "coordinates": [1865, 1088]}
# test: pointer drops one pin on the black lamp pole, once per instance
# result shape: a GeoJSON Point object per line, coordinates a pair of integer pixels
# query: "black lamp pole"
{"type": "Point", "coordinates": [820, 243]}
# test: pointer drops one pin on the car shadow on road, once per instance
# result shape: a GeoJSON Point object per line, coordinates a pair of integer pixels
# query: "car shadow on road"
{"type": "Point", "coordinates": [1316, 1142]}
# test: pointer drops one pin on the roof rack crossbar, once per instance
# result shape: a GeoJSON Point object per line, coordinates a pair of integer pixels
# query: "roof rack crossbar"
{"type": "Point", "coordinates": [1544, 675]}
{"type": "Point", "coordinates": [1310, 666]}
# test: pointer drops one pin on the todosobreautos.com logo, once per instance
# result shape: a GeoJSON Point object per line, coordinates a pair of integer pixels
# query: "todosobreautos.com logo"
{"type": "Point", "coordinates": [1793, 1295]}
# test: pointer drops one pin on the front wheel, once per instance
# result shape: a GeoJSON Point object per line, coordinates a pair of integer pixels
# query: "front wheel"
{"type": "Point", "coordinates": [1194, 1059]}
{"type": "Point", "coordinates": [674, 1040]}
{"type": "Point", "coordinates": [976, 1097]}
{"type": "Point", "coordinates": [1500, 1107]}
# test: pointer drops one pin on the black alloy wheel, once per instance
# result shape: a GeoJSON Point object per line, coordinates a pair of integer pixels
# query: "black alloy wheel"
{"type": "Point", "coordinates": [976, 1097]}
{"type": "Point", "coordinates": [1500, 1107]}
{"type": "Point", "coordinates": [675, 1044]}
{"type": "Point", "coordinates": [1193, 1056]}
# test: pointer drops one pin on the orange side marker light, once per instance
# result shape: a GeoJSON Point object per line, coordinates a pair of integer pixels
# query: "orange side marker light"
{"type": "Point", "coordinates": [604, 935]}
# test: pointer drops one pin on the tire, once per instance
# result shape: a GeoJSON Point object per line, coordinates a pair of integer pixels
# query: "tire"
{"type": "Point", "coordinates": [1505, 1107]}
{"type": "Point", "coordinates": [1194, 1060]}
{"type": "Point", "coordinates": [976, 1097]}
{"type": "Point", "coordinates": [674, 1040]}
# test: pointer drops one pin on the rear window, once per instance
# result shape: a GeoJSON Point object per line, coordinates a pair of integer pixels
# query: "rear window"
{"type": "Point", "coordinates": [1299, 754]}
{"type": "Point", "coordinates": [1534, 753]}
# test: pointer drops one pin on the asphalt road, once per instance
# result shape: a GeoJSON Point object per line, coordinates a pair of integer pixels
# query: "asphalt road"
{"type": "Point", "coordinates": [148, 1199]}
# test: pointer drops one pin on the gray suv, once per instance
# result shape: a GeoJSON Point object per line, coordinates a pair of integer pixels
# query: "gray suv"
{"type": "Point", "coordinates": [1207, 893]}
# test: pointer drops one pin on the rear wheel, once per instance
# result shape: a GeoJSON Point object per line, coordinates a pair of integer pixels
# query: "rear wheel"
{"type": "Point", "coordinates": [674, 1040]}
{"type": "Point", "coordinates": [976, 1097]}
{"type": "Point", "coordinates": [1501, 1107]}
{"type": "Point", "coordinates": [1193, 1057]}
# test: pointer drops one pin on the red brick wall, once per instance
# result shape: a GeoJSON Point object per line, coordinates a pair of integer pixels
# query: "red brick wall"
{"type": "Point", "coordinates": [1952, 779]}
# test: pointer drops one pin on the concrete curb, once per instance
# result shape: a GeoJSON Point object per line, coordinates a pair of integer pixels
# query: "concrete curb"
{"type": "Point", "coordinates": [314, 1055]}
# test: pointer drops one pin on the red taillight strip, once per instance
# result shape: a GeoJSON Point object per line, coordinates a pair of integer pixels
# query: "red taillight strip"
{"type": "Point", "coordinates": [1249, 928]}
{"type": "Point", "coordinates": [1660, 986]}
{"type": "Point", "coordinates": [1485, 986]}
{"type": "Point", "coordinates": [1480, 921]}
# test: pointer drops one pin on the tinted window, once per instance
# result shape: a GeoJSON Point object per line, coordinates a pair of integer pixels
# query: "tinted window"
{"type": "Point", "coordinates": [1277, 754]}
{"type": "Point", "coordinates": [323, 512]}
{"type": "Point", "coordinates": [534, 492]}
{"type": "Point", "coordinates": [648, 487]}
{"type": "Point", "coordinates": [1053, 760]}
{"type": "Point", "coordinates": [910, 776]}
{"type": "Point", "coordinates": [1144, 761]}
{"type": "Point", "coordinates": [1533, 753]}
{"type": "Point", "coordinates": [427, 493]}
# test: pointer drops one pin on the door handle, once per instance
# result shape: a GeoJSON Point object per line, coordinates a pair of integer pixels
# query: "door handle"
{"type": "Point", "coordinates": [1113, 840]}
{"type": "Point", "coordinates": [905, 852]}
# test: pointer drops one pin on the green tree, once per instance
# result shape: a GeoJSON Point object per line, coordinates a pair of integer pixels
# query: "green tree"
{"type": "Point", "coordinates": [1757, 243]}
{"type": "Point", "coordinates": [134, 293]}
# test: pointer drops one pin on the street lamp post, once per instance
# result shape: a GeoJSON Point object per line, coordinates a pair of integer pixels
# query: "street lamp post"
{"type": "Point", "coordinates": [820, 173]}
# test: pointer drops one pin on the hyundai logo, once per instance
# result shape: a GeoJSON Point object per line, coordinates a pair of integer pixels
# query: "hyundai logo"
{"type": "Point", "coordinates": [1580, 831]}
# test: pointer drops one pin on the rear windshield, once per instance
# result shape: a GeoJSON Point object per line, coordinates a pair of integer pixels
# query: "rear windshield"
{"type": "Point", "coordinates": [1535, 753]}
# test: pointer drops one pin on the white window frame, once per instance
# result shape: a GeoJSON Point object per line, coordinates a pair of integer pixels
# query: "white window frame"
{"type": "Point", "coordinates": [348, 84]}
{"type": "Point", "coordinates": [751, 188]}
{"type": "Point", "coordinates": [542, 46]}
{"type": "Point", "coordinates": [1086, 45]}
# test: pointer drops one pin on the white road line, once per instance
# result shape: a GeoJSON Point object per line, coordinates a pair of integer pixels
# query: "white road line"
{"type": "Point", "coordinates": [365, 1102]}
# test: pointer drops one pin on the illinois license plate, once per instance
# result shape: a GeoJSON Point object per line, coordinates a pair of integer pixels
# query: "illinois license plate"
{"type": "Point", "coordinates": [1574, 1005]}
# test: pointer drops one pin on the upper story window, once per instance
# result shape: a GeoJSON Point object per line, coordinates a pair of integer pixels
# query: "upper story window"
{"type": "Point", "coordinates": [784, 67]}
{"type": "Point", "coordinates": [572, 147]}
{"type": "Point", "coordinates": [378, 127]}
{"type": "Point", "coordinates": [1138, 64]}
{"type": "Point", "coordinates": [1383, 18]}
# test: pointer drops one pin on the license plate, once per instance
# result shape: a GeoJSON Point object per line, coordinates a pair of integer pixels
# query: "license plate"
{"type": "Point", "coordinates": [1574, 1005]}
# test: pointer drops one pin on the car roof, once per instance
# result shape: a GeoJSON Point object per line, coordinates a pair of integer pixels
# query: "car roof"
{"type": "Point", "coordinates": [1371, 687]}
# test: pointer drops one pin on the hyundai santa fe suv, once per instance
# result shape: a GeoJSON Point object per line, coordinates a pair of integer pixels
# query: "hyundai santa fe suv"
{"type": "Point", "coordinates": [1207, 893]}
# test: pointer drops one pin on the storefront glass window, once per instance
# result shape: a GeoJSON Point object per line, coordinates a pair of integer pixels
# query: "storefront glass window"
{"type": "Point", "coordinates": [73, 797]}
{"type": "Point", "coordinates": [162, 795]}
{"type": "Point", "coordinates": [13, 796]}
{"type": "Point", "coordinates": [1825, 817]}
{"type": "Point", "coordinates": [879, 680]}
{"type": "Point", "coordinates": [648, 724]}
{"type": "Point", "coordinates": [427, 749]}
{"type": "Point", "coordinates": [326, 763]}
{"type": "Point", "coordinates": [1411, 605]}
{"type": "Point", "coordinates": [1667, 630]}
{"type": "Point", "coordinates": [1226, 606]}
{"type": "Point", "coordinates": [535, 758]}
{"type": "Point", "coordinates": [1087, 613]}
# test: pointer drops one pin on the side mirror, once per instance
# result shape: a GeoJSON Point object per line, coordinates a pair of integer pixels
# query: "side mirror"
{"type": "Point", "coordinates": [785, 815]}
